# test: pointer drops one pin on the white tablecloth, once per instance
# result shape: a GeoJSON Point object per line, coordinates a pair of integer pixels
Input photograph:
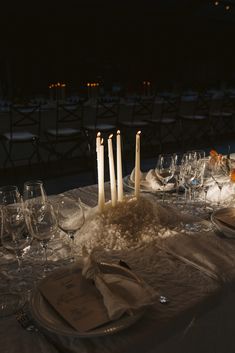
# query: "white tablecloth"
{"type": "Point", "coordinates": [198, 318]}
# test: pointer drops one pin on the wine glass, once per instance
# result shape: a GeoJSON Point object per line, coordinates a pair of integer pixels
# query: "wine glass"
{"type": "Point", "coordinates": [165, 170]}
{"type": "Point", "coordinates": [16, 240]}
{"type": "Point", "coordinates": [13, 228]}
{"type": "Point", "coordinates": [206, 180]}
{"type": "Point", "coordinates": [42, 224]}
{"type": "Point", "coordinates": [34, 192]}
{"type": "Point", "coordinates": [70, 218]}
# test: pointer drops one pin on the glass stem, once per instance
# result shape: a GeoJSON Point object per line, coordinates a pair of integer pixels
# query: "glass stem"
{"type": "Point", "coordinates": [19, 260]}
{"type": "Point", "coordinates": [71, 236]}
{"type": "Point", "coordinates": [205, 198]}
{"type": "Point", "coordinates": [44, 245]}
{"type": "Point", "coordinates": [163, 195]}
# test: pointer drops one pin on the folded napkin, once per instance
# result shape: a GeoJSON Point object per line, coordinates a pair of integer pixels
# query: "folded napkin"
{"type": "Point", "coordinates": [227, 192]}
{"type": "Point", "coordinates": [151, 181]}
{"type": "Point", "coordinates": [120, 293]}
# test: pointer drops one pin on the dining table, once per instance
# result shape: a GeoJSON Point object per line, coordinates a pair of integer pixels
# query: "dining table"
{"type": "Point", "coordinates": [192, 268]}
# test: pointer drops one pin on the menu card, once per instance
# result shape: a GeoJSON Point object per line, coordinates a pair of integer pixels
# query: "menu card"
{"type": "Point", "coordinates": [227, 216]}
{"type": "Point", "coordinates": [75, 298]}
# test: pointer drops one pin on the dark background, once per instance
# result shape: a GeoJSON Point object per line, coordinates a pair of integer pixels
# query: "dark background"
{"type": "Point", "coordinates": [173, 43]}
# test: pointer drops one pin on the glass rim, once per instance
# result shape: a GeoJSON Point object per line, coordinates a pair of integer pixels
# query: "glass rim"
{"type": "Point", "coordinates": [33, 182]}
{"type": "Point", "coordinates": [9, 188]}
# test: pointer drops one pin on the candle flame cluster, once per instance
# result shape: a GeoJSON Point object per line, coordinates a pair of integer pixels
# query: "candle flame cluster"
{"type": "Point", "coordinates": [116, 190]}
{"type": "Point", "coordinates": [146, 83]}
{"type": "Point", "coordinates": [57, 85]}
{"type": "Point", "coordinates": [92, 84]}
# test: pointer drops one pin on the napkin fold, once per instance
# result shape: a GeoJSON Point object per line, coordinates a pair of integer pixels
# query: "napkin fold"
{"type": "Point", "coordinates": [151, 181]}
{"type": "Point", "coordinates": [120, 293]}
{"type": "Point", "coordinates": [227, 192]}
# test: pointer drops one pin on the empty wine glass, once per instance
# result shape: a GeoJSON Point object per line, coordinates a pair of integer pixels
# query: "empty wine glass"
{"type": "Point", "coordinates": [42, 224]}
{"type": "Point", "coordinates": [70, 218]}
{"type": "Point", "coordinates": [14, 236]}
{"type": "Point", "coordinates": [165, 170]}
{"type": "Point", "coordinates": [14, 239]}
{"type": "Point", "coordinates": [34, 192]}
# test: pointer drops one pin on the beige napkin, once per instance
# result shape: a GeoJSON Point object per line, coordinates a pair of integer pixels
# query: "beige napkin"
{"type": "Point", "coordinates": [227, 192]}
{"type": "Point", "coordinates": [151, 181]}
{"type": "Point", "coordinates": [120, 293]}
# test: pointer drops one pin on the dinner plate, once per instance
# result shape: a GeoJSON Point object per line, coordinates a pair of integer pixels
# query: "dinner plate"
{"type": "Point", "coordinates": [222, 227]}
{"type": "Point", "coordinates": [44, 314]}
{"type": "Point", "coordinates": [145, 186]}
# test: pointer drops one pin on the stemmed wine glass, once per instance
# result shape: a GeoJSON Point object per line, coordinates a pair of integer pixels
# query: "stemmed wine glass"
{"type": "Point", "coordinates": [219, 178]}
{"type": "Point", "coordinates": [70, 218]}
{"type": "Point", "coordinates": [165, 170]}
{"type": "Point", "coordinates": [34, 192]}
{"type": "Point", "coordinates": [13, 229]}
{"type": "Point", "coordinates": [42, 224]}
{"type": "Point", "coordinates": [14, 239]}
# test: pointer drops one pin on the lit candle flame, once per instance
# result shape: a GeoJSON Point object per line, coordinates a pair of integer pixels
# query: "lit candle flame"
{"type": "Point", "coordinates": [98, 134]}
{"type": "Point", "coordinates": [139, 132]}
{"type": "Point", "coordinates": [110, 136]}
{"type": "Point", "coordinates": [118, 132]}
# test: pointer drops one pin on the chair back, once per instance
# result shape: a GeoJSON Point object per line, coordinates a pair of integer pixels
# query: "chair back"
{"type": "Point", "coordinates": [170, 107]}
{"type": "Point", "coordinates": [25, 118]}
{"type": "Point", "coordinates": [69, 115]}
{"type": "Point", "coordinates": [107, 111]}
{"type": "Point", "coordinates": [143, 109]}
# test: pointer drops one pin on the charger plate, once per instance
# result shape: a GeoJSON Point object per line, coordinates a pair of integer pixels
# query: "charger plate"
{"type": "Point", "coordinates": [45, 315]}
{"type": "Point", "coordinates": [222, 227]}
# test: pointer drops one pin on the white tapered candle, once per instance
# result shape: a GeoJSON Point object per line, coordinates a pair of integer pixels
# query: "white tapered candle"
{"type": "Point", "coordinates": [112, 172]}
{"type": "Point", "coordinates": [101, 194]}
{"type": "Point", "coordinates": [137, 165]}
{"type": "Point", "coordinates": [119, 167]}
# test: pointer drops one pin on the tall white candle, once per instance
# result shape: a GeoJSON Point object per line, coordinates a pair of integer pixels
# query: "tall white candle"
{"type": "Point", "coordinates": [119, 167]}
{"type": "Point", "coordinates": [137, 165]}
{"type": "Point", "coordinates": [98, 140]}
{"type": "Point", "coordinates": [101, 195]}
{"type": "Point", "coordinates": [112, 172]}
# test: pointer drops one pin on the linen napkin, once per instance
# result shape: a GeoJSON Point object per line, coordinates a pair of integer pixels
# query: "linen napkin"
{"type": "Point", "coordinates": [227, 192]}
{"type": "Point", "coordinates": [150, 181]}
{"type": "Point", "coordinates": [120, 293]}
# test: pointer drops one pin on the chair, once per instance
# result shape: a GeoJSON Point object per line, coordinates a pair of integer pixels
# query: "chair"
{"type": "Point", "coordinates": [141, 113]}
{"type": "Point", "coordinates": [165, 122]}
{"type": "Point", "coordinates": [195, 124]}
{"type": "Point", "coordinates": [24, 129]}
{"type": "Point", "coordinates": [68, 135]}
{"type": "Point", "coordinates": [106, 117]}
{"type": "Point", "coordinates": [221, 115]}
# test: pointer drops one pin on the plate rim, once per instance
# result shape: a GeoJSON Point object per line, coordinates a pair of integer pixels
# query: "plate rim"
{"type": "Point", "coordinates": [229, 232]}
